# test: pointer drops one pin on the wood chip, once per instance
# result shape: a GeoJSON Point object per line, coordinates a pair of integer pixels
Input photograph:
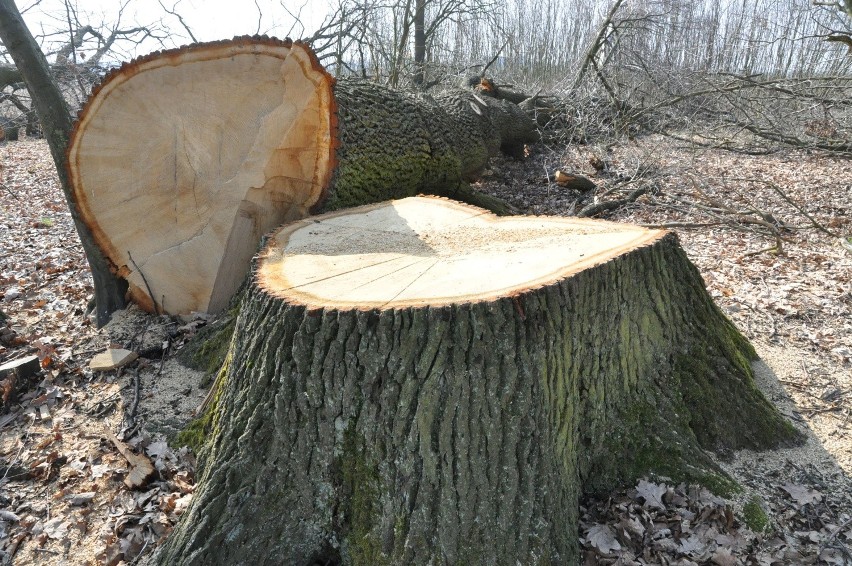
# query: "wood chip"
{"type": "Point", "coordinates": [80, 498]}
{"type": "Point", "coordinates": [141, 468]}
{"type": "Point", "coordinates": [112, 359]}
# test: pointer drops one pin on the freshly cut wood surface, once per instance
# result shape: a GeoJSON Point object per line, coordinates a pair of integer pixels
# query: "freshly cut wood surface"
{"type": "Point", "coordinates": [182, 160]}
{"type": "Point", "coordinates": [427, 250]}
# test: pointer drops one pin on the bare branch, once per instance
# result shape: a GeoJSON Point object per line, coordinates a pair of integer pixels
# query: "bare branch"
{"type": "Point", "coordinates": [598, 42]}
{"type": "Point", "coordinates": [173, 12]}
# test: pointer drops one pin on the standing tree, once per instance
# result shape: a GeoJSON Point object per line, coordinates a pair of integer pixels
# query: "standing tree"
{"type": "Point", "coordinates": [57, 124]}
{"type": "Point", "coordinates": [419, 41]}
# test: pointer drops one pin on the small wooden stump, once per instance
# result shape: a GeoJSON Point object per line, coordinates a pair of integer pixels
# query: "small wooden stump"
{"type": "Point", "coordinates": [420, 382]}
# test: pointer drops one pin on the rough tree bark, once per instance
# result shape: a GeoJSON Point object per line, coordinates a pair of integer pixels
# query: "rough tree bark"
{"type": "Point", "coordinates": [420, 382]}
{"type": "Point", "coordinates": [179, 207]}
{"type": "Point", "coordinates": [56, 121]}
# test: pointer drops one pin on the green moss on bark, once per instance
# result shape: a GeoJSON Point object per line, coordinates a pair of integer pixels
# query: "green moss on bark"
{"type": "Point", "coordinates": [359, 498]}
{"type": "Point", "coordinates": [209, 347]}
{"type": "Point", "coordinates": [676, 384]}
{"type": "Point", "coordinates": [395, 145]}
{"type": "Point", "coordinates": [649, 444]}
{"type": "Point", "coordinates": [198, 430]}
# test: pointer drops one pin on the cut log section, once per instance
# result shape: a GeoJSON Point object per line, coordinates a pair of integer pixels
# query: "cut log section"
{"type": "Point", "coordinates": [182, 160]}
{"type": "Point", "coordinates": [420, 382]}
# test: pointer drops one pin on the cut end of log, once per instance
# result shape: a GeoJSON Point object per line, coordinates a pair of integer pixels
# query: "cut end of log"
{"type": "Point", "coordinates": [431, 251]}
{"type": "Point", "coordinates": [195, 153]}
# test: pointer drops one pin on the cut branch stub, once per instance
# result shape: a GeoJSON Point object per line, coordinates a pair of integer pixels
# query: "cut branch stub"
{"type": "Point", "coordinates": [182, 160]}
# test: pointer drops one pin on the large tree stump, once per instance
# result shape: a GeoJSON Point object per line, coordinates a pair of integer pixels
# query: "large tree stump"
{"type": "Point", "coordinates": [420, 382]}
{"type": "Point", "coordinates": [182, 160]}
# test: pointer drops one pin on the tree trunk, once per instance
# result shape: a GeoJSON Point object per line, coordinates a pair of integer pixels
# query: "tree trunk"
{"type": "Point", "coordinates": [419, 41]}
{"type": "Point", "coordinates": [420, 382]}
{"type": "Point", "coordinates": [180, 206]}
{"type": "Point", "coordinates": [56, 122]}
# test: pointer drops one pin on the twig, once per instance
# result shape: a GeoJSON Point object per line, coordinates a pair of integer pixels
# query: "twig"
{"type": "Point", "coordinates": [842, 424]}
{"type": "Point", "coordinates": [819, 410]}
{"type": "Point", "coordinates": [493, 59]}
{"type": "Point", "coordinates": [163, 357]}
{"type": "Point", "coordinates": [832, 535]}
{"type": "Point", "coordinates": [797, 385]}
{"type": "Point", "coordinates": [174, 12]}
{"type": "Point", "coordinates": [683, 225]}
{"type": "Point", "coordinates": [131, 414]}
{"type": "Point", "coordinates": [13, 548]}
{"type": "Point", "coordinates": [147, 286]}
{"type": "Point", "coordinates": [8, 190]}
{"type": "Point", "coordinates": [776, 249]}
{"type": "Point", "coordinates": [816, 224]}
{"type": "Point", "coordinates": [619, 186]}
{"type": "Point", "coordinates": [594, 209]}
{"type": "Point", "coordinates": [547, 176]}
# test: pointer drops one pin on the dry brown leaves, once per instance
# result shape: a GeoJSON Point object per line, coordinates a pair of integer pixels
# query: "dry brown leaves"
{"type": "Point", "coordinates": [656, 523]}
{"type": "Point", "coordinates": [62, 496]}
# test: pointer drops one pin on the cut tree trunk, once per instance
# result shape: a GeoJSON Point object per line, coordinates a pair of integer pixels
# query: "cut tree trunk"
{"type": "Point", "coordinates": [421, 382]}
{"type": "Point", "coordinates": [181, 161]}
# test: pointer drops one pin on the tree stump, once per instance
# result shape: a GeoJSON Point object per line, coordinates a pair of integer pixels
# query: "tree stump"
{"type": "Point", "coordinates": [421, 382]}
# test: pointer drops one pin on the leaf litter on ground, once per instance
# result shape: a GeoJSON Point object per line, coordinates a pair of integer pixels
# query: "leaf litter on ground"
{"type": "Point", "coordinates": [62, 496]}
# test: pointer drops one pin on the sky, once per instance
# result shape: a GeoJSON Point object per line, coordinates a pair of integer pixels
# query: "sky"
{"type": "Point", "coordinates": [208, 19]}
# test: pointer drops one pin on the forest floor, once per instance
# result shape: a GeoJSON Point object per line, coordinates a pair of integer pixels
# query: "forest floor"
{"type": "Point", "coordinates": [763, 230]}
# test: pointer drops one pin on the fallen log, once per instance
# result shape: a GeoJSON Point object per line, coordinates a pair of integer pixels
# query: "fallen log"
{"type": "Point", "coordinates": [180, 161]}
{"type": "Point", "coordinates": [421, 382]}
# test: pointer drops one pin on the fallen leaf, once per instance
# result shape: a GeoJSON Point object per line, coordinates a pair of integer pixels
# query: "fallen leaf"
{"type": "Point", "coordinates": [98, 470]}
{"type": "Point", "coordinates": [158, 449]}
{"type": "Point", "coordinates": [56, 528]}
{"type": "Point", "coordinates": [691, 545]}
{"type": "Point", "coordinates": [723, 557]}
{"type": "Point", "coordinates": [602, 537]}
{"type": "Point", "coordinates": [652, 493]}
{"type": "Point", "coordinates": [802, 494]}
{"type": "Point", "coordinates": [8, 516]}
{"type": "Point", "coordinates": [79, 499]}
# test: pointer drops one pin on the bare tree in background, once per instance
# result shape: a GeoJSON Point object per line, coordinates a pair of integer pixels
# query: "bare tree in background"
{"type": "Point", "coordinates": [841, 36]}
{"type": "Point", "coordinates": [35, 84]}
{"type": "Point", "coordinates": [399, 39]}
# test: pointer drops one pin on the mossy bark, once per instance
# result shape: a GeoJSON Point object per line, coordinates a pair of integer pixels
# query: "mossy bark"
{"type": "Point", "coordinates": [465, 434]}
{"type": "Point", "coordinates": [394, 144]}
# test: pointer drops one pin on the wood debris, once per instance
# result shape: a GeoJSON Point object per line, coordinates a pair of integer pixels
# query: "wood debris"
{"type": "Point", "coordinates": [113, 358]}
{"type": "Point", "coordinates": [22, 368]}
{"type": "Point", "coordinates": [141, 468]}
